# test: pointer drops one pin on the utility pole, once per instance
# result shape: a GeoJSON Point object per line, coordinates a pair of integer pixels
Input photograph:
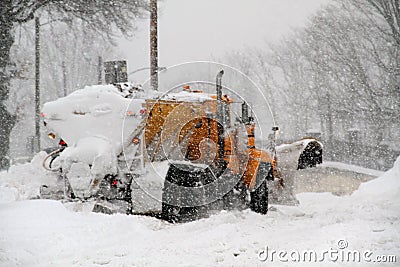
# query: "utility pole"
{"type": "Point", "coordinates": [64, 73]}
{"type": "Point", "coordinates": [329, 121]}
{"type": "Point", "coordinates": [153, 45]}
{"type": "Point", "coordinates": [100, 71]}
{"type": "Point", "coordinates": [37, 85]}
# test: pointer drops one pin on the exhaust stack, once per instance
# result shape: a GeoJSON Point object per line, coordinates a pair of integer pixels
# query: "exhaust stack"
{"type": "Point", "coordinates": [220, 119]}
{"type": "Point", "coordinates": [245, 113]}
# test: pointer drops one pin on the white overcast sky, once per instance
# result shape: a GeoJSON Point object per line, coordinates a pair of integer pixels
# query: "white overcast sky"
{"type": "Point", "coordinates": [204, 29]}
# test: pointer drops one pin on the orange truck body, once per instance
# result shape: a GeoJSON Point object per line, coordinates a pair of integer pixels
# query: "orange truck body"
{"type": "Point", "coordinates": [192, 127]}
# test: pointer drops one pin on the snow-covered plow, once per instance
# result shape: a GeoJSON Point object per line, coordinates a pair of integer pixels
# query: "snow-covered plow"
{"type": "Point", "coordinates": [302, 154]}
{"type": "Point", "coordinates": [123, 149]}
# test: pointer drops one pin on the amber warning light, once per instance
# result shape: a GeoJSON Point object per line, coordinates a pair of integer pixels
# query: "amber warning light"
{"type": "Point", "coordinates": [135, 140]}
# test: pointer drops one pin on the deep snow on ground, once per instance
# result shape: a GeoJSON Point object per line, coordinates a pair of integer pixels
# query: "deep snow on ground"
{"type": "Point", "coordinates": [48, 233]}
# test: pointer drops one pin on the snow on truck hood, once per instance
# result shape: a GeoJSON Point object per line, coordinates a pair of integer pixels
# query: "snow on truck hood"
{"type": "Point", "coordinates": [187, 96]}
{"type": "Point", "coordinates": [99, 111]}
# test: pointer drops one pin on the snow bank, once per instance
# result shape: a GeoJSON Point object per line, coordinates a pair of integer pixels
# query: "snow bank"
{"type": "Point", "coordinates": [23, 181]}
{"type": "Point", "coordinates": [385, 188]}
{"type": "Point", "coordinates": [353, 168]}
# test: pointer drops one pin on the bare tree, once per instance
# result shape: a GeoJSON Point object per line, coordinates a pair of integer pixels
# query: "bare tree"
{"type": "Point", "coordinates": [102, 16]}
{"type": "Point", "coordinates": [346, 61]}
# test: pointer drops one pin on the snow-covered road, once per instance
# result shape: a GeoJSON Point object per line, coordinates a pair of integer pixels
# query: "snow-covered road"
{"type": "Point", "coordinates": [48, 233]}
{"type": "Point", "coordinates": [339, 180]}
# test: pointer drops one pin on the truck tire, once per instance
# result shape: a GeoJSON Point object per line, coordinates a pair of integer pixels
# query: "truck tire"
{"type": "Point", "coordinates": [259, 199]}
{"type": "Point", "coordinates": [174, 208]}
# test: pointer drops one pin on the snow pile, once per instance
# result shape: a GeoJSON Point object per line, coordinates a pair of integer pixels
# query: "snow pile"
{"type": "Point", "coordinates": [353, 168]}
{"type": "Point", "coordinates": [385, 188]}
{"type": "Point", "coordinates": [23, 181]}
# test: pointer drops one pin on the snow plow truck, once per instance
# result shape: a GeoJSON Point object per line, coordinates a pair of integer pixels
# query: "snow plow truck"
{"type": "Point", "coordinates": [121, 145]}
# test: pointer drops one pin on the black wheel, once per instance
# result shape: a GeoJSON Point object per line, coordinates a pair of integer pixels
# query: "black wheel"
{"type": "Point", "coordinates": [176, 214]}
{"type": "Point", "coordinates": [177, 206]}
{"type": "Point", "coordinates": [259, 199]}
{"type": "Point", "coordinates": [173, 200]}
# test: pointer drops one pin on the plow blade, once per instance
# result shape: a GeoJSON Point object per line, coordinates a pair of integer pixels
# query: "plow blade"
{"type": "Point", "coordinates": [306, 153]}
{"type": "Point", "coordinates": [310, 156]}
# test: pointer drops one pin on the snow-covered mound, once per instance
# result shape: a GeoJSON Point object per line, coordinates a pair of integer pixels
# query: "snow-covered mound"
{"type": "Point", "coordinates": [384, 188]}
{"type": "Point", "coordinates": [352, 168]}
{"type": "Point", "coordinates": [23, 181]}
